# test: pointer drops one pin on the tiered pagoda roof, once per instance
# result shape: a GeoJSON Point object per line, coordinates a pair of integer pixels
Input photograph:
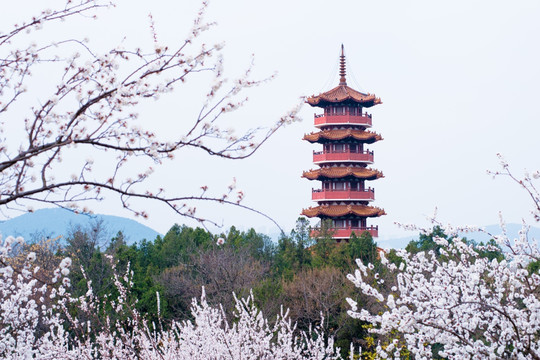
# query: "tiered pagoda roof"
{"type": "Point", "coordinates": [343, 94]}
{"type": "Point", "coordinates": [342, 210]}
{"type": "Point", "coordinates": [341, 134]}
{"type": "Point", "coordinates": [342, 172]}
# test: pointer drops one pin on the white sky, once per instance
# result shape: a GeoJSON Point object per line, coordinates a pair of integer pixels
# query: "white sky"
{"type": "Point", "coordinates": [459, 81]}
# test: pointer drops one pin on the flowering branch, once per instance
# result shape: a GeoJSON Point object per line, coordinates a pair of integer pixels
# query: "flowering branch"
{"type": "Point", "coordinates": [124, 333]}
{"type": "Point", "coordinates": [471, 305]}
{"type": "Point", "coordinates": [93, 110]}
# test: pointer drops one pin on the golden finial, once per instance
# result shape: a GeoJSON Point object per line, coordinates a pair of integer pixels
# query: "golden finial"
{"type": "Point", "coordinates": [342, 72]}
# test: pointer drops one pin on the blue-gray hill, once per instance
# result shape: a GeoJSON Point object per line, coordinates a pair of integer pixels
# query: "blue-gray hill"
{"type": "Point", "coordinates": [57, 222]}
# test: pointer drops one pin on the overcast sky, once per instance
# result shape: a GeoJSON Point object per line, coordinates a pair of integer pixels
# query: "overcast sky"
{"type": "Point", "coordinates": [459, 81]}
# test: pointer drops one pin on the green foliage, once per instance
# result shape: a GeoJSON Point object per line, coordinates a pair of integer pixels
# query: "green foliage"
{"type": "Point", "coordinates": [370, 343]}
{"type": "Point", "coordinates": [303, 240]}
{"type": "Point", "coordinates": [493, 250]}
{"type": "Point", "coordinates": [534, 267]}
{"type": "Point", "coordinates": [292, 253]}
{"type": "Point", "coordinates": [178, 245]}
{"type": "Point", "coordinates": [324, 246]}
{"type": "Point", "coordinates": [363, 248]}
{"type": "Point", "coordinates": [343, 254]}
{"type": "Point", "coordinates": [260, 246]}
{"type": "Point", "coordinates": [425, 242]}
{"type": "Point", "coordinates": [304, 273]}
{"type": "Point", "coordinates": [393, 257]}
{"type": "Point", "coordinates": [285, 262]}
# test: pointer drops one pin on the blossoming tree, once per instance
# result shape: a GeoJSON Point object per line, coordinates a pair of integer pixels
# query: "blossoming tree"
{"type": "Point", "coordinates": [27, 302]}
{"type": "Point", "coordinates": [91, 106]}
{"type": "Point", "coordinates": [459, 300]}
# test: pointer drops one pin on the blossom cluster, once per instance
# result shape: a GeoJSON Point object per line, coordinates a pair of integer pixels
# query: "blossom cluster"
{"type": "Point", "coordinates": [37, 321]}
{"type": "Point", "coordinates": [470, 305]}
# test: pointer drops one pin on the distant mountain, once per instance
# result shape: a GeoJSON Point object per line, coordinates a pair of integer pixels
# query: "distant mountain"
{"type": "Point", "coordinates": [398, 243]}
{"type": "Point", "coordinates": [511, 229]}
{"type": "Point", "coordinates": [56, 221]}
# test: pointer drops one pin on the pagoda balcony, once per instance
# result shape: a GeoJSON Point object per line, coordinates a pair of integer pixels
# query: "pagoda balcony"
{"type": "Point", "coordinates": [320, 157]}
{"type": "Point", "coordinates": [343, 119]}
{"type": "Point", "coordinates": [345, 194]}
{"type": "Point", "coordinates": [346, 232]}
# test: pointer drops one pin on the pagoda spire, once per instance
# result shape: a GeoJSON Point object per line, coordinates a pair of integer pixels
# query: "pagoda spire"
{"type": "Point", "coordinates": [342, 72]}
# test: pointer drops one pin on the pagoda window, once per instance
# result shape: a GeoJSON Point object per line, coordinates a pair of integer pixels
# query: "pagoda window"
{"type": "Point", "coordinates": [327, 148]}
{"type": "Point", "coordinates": [339, 148]}
{"type": "Point", "coordinates": [326, 185]}
{"type": "Point", "coordinates": [339, 185]}
{"type": "Point", "coordinates": [354, 186]}
{"type": "Point", "coordinates": [337, 110]}
{"type": "Point", "coordinates": [354, 223]}
{"type": "Point", "coordinates": [339, 223]}
{"type": "Point", "coordinates": [355, 110]}
{"type": "Point", "coordinates": [353, 148]}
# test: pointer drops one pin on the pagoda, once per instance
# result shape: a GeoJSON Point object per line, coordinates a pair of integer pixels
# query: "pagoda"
{"type": "Point", "coordinates": [344, 195]}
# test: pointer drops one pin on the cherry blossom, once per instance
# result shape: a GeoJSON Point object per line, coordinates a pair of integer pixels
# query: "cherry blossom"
{"type": "Point", "coordinates": [471, 306]}
{"type": "Point", "coordinates": [92, 111]}
{"type": "Point", "coordinates": [26, 301]}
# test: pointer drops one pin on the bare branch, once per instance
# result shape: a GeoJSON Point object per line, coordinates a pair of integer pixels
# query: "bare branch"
{"type": "Point", "coordinates": [94, 107]}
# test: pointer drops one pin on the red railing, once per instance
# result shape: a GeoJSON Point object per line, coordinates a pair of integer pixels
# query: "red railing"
{"type": "Point", "coordinates": [346, 232]}
{"type": "Point", "coordinates": [321, 156]}
{"type": "Point", "coordinates": [325, 194]}
{"type": "Point", "coordinates": [334, 119]}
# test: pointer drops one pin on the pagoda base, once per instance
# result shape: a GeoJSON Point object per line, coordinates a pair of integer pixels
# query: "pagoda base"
{"type": "Point", "coordinates": [345, 233]}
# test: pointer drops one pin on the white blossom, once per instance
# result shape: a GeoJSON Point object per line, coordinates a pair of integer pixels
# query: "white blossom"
{"type": "Point", "coordinates": [474, 307]}
{"type": "Point", "coordinates": [209, 335]}
{"type": "Point", "coordinates": [92, 111]}
{"type": "Point", "coordinates": [65, 263]}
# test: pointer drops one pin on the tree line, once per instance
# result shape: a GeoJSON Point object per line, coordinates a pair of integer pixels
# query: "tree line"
{"type": "Point", "coordinates": [304, 274]}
